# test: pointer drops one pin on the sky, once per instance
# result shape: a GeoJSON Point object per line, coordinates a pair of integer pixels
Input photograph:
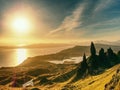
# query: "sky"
{"type": "Point", "coordinates": [60, 21]}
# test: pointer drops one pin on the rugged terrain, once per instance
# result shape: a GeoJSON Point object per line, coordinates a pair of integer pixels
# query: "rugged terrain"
{"type": "Point", "coordinates": [86, 75]}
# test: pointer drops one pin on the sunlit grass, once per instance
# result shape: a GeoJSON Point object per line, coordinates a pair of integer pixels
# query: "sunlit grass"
{"type": "Point", "coordinates": [96, 82]}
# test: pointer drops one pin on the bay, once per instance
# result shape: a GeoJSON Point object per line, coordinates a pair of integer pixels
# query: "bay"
{"type": "Point", "coordinates": [13, 57]}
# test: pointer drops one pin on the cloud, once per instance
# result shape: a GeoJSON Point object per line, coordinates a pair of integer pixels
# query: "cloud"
{"type": "Point", "coordinates": [103, 29]}
{"type": "Point", "coordinates": [89, 19]}
{"type": "Point", "coordinates": [98, 16]}
{"type": "Point", "coordinates": [70, 22]}
{"type": "Point", "coordinates": [76, 19]}
{"type": "Point", "coordinates": [102, 5]}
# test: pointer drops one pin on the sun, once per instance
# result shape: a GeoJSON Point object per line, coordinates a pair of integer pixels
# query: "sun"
{"type": "Point", "coordinates": [20, 24]}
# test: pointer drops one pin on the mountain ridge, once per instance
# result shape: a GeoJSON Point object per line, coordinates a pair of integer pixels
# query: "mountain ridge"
{"type": "Point", "coordinates": [67, 53]}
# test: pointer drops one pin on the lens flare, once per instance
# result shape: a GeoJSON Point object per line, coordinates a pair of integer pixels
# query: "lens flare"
{"type": "Point", "coordinates": [20, 24]}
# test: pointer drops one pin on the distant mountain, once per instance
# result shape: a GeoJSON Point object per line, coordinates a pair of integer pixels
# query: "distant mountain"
{"type": "Point", "coordinates": [47, 45]}
{"type": "Point", "coordinates": [117, 43]}
{"type": "Point", "coordinates": [41, 45]}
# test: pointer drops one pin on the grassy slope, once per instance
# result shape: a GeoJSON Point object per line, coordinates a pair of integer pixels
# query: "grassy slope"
{"type": "Point", "coordinates": [90, 83]}
{"type": "Point", "coordinates": [114, 82]}
{"type": "Point", "coordinates": [96, 82]}
{"type": "Point", "coordinates": [51, 71]}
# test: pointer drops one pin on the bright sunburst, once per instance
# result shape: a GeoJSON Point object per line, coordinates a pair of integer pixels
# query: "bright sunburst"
{"type": "Point", "coordinates": [20, 24]}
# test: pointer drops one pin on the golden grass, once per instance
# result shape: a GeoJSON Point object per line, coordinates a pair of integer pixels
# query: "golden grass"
{"type": "Point", "coordinates": [90, 83]}
{"type": "Point", "coordinates": [96, 82]}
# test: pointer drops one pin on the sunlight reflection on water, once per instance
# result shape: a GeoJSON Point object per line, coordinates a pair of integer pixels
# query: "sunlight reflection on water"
{"type": "Point", "coordinates": [14, 57]}
{"type": "Point", "coordinates": [21, 55]}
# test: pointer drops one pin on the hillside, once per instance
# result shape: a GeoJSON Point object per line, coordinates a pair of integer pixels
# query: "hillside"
{"type": "Point", "coordinates": [96, 82]}
{"type": "Point", "coordinates": [97, 71]}
{"type": "Point", "coordinates": [67, 53]}
{"type": "Point", "coordinates": [114, 83]}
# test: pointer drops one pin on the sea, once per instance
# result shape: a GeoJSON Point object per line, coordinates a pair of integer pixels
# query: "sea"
{"type": "Point", "coordinates": [14, 57]}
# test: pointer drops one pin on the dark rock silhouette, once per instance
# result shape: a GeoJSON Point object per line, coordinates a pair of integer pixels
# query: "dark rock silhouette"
{"type": "Point", "coordinates": [112, 57]}
{"type": "Point", "coordinates": [96, 64]}
{"type": "Point", "coordinates": [92, 49]}
{"type": "Point", "coordinates": [93, 60]}
{"type": "Point", "coordinates": [103, 61]}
